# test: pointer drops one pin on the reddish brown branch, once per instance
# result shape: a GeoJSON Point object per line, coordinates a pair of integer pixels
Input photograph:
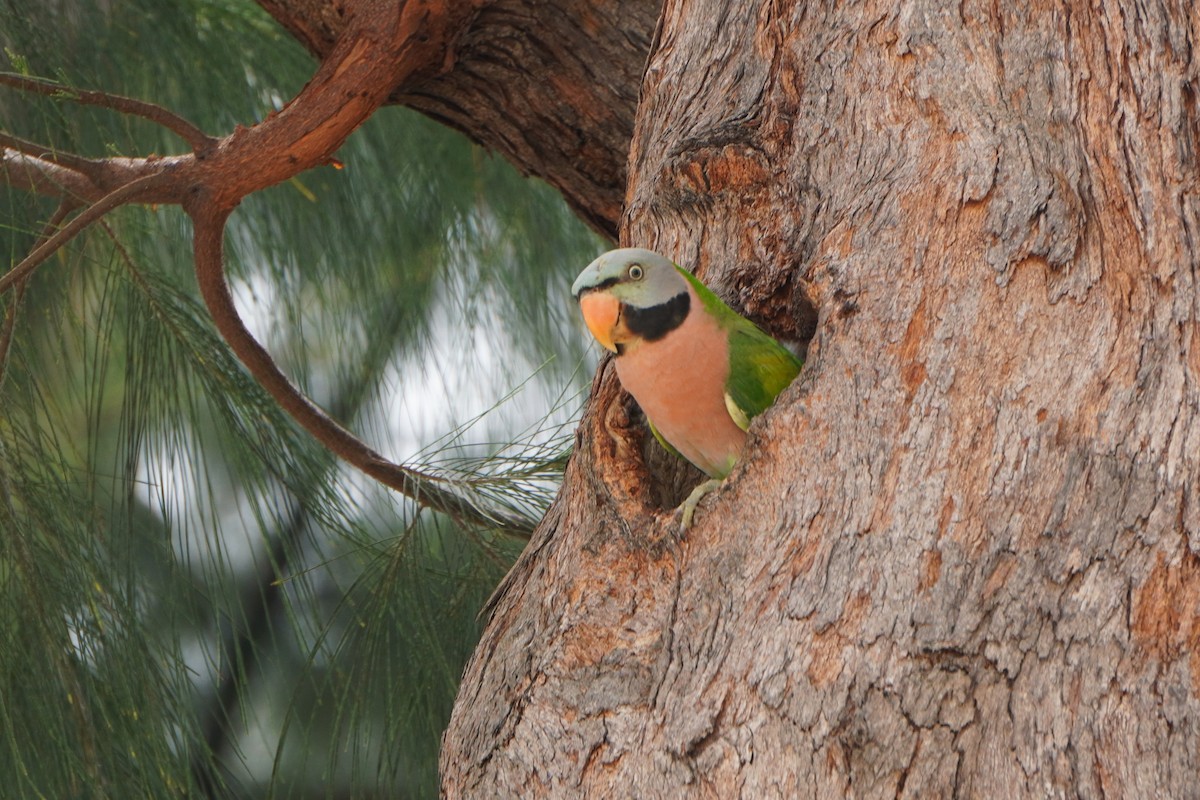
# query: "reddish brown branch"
{"type": "Point", "coordinates": [39, 176]}
{"type": "Point", "coordinates": [87, 180]}
{"type": "Point", "coordinates": [198, 139]}
{"type": "Point", "coordinates": [384, 46]}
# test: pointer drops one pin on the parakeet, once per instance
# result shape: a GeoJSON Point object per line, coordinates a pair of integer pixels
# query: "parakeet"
{"type": "Point", "coordinates": [699, 370]}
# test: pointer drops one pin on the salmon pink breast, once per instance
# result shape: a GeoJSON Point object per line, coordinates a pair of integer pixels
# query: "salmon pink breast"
{"type": "Point", "coordinates": [679, 382]}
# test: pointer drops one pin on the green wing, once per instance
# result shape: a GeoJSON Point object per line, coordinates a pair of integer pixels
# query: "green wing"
{"type": "Point", "coordinates": [759, 369]}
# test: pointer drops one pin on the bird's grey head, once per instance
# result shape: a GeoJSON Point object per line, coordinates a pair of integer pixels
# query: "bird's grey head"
{"type": "Point", "coordinates": [636, 276]}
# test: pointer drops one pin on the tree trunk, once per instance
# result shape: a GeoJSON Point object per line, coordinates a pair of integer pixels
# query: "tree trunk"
{"type": "Point", "coordinates": [959, 557]}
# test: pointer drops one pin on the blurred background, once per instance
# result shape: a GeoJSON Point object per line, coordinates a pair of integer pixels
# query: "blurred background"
{"type": "Point", "coordinates": [195, 598]}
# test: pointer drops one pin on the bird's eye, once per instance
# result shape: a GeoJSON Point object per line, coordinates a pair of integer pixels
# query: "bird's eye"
{"type": "Point", "coordinates": [636, 272]}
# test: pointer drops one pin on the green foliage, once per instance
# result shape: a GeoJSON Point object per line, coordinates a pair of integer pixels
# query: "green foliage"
{"type": "Point", "coordinates": [195, 598]}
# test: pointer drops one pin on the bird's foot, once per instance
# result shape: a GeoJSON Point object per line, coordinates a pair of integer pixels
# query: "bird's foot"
{"type": "Point", "coordinates": [693, 500]}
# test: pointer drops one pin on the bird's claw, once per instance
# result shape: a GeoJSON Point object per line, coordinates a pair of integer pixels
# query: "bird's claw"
{"type": "Point", "coordinates": [689, 506]}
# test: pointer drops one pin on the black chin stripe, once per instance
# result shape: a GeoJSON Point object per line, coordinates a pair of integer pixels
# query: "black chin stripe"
{"type": "Point", "coordinates": [655, 322]}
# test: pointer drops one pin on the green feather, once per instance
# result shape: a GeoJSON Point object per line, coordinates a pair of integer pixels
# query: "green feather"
{"type": "Point", "coordinates": [759, 367]}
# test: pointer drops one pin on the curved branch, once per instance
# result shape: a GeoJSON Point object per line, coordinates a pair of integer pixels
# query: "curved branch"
{"type": "Point", "coordinates": [426, 490]}
{"type": "Point", "coordinates": [550, 85]}
{"type": "Point", "coordinates": [198, 139]}
{"type": "Point", "coordinates": [384, 46]}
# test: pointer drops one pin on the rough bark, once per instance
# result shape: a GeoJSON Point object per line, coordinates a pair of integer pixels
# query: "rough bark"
{"type": "Point", "coordinates": [959, 558]}
{"type": "Point", "coordinates": [551, 85]}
